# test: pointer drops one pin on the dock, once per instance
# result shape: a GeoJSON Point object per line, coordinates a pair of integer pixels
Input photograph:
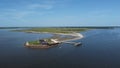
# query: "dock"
{"type": "Point", "coordinates": [74, 43]}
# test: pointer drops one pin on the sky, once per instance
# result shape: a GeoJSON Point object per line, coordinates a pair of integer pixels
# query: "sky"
{"type": "Point", "coordinates": [42, 13]}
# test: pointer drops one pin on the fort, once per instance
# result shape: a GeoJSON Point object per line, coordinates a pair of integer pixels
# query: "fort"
{"type": "Point", "coordinates": [55, 41]}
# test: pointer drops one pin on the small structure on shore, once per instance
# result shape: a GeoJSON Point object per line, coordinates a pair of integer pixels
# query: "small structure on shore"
{"type": "Point", "coordinates": [27, 44]}
{"type": "Point", "coordinates": [43, 42]}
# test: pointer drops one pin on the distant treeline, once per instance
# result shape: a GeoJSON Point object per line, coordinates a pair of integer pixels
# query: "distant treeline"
{"type": "Point", "coordinates": [92, 27]}
{"type": "Point", "coordinates": [9, 27]}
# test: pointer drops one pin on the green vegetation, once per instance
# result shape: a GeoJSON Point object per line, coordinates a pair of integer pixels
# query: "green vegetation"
{"type": "Point", "coordinates": [48, 40]}
{"type": "Point", "coordinates": [55, 30]}
{"type": "Point", "coordinates": [34, 42]}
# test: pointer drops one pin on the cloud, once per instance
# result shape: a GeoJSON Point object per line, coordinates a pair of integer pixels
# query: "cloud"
{"type": "Point", "coordinates": [49, 4]}
{"type": "Point", "coordinates": [30, 10]}
{"type": "Point", "coordinates": [40, 6]}
{"type": "Point", "coordinates": [45, 4]}
{"type": "Point", "coordinates": [21, 14]}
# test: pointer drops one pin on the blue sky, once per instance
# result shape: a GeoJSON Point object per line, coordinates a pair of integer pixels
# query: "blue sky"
{"type": "Point", "coordinates": [59, 13]}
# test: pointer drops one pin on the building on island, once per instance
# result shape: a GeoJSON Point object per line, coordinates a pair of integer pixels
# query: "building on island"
{"type": "Point", "coordinates": [43, 42]}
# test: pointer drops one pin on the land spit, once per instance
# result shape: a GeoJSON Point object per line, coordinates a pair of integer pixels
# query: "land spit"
{"type": "Point", "coordinates": [56, 39]}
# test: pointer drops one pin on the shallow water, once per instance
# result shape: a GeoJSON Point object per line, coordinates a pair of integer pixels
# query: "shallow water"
{"type": "Point", "coordinates": [100, 49]}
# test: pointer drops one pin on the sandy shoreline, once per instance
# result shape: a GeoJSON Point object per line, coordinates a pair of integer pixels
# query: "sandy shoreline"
{"type": "Point", "coordinates": [75, 36]}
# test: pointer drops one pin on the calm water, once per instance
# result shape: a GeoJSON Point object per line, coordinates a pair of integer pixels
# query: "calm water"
{"type": "Point", "coordinates": [100, 49]}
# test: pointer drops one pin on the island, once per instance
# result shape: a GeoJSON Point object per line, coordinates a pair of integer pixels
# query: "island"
{"type": "Point", "coordinates": [60, 35]}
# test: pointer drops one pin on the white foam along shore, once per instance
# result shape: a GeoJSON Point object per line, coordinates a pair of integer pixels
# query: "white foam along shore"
{"type": "Point", "coordinates": [75, 35]}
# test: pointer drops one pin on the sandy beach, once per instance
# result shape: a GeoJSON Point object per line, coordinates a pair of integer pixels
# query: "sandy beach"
{"type": "Point", "coordinates": [75, 35]}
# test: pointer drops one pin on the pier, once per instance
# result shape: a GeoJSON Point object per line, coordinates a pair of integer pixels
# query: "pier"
{"type": "Point", "coordinates": [74, 43]}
